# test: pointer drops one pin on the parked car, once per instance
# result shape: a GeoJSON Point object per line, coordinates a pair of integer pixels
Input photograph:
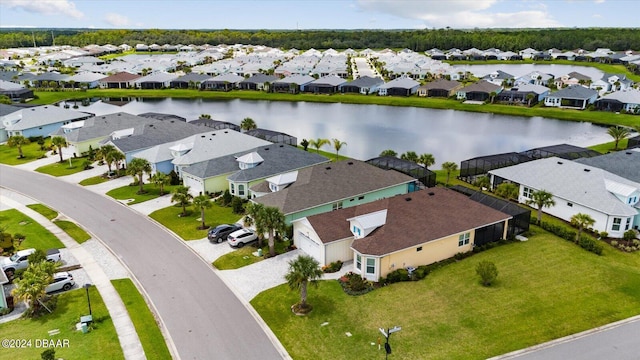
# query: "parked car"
{"type": "Point", "coordinates": [241, 237]}
{"type": "Point", "coordinates": [61, 281]}
{"type": "Point", "coordinates": [219, 233]}
{"type": "Point", "coordinates": [19, 260]}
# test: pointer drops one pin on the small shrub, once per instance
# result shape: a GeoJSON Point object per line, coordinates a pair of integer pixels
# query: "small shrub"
{"type": "Point", "coordinates": [354, 284]}
{"type": "Point", "coordinates": [487, 271]}
{"type": "Point", "coordinates": [629, 235]}
{"type": "Point", "coordinates": [614, 243]}
{"type": "Point", "coordinates": [226, 198]}
{"type": "Point", "coordinates": [604, 234]}
{"type": "Point", "coordinates": [590, 245]}
{"type": "Point", "coordinates": [333, 267]}
{"type": "Point", "coordinates": [237, 206]}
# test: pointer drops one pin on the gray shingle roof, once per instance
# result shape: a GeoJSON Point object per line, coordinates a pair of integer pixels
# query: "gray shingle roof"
{"type": "Point", "coordinates": [157, 132]}
{"type": "Point", "coordinates": [622, 163]}
{"type": "Point", "coordinates": [8, 109]}
{"type": "Point", "coordinates": [365, 81]}
{"type": "Point", "coordinates": [260, 78]}
{"type": "Point", "coordinates": [575, 92]}
{"type": "Point", "coordinates": [481, 86]}
{"type": "Point", "coordinates": [402, 82]}
{"type": "Point", "coordinates": [100, 126]}
{"type": "Point", "coordinates": [192, 77]}
{"type": "Point", "coordinates": [443, 84]}
{"type": "Point", "coordinates": [327, 183]}
{"type": "Point", "coordinates": [45, 115]}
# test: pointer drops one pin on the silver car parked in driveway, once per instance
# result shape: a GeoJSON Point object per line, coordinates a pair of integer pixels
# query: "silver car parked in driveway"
{"type": "Point", "coordinates": [61, 281]}
{"type": "Point", "coordinates": [241, 237]}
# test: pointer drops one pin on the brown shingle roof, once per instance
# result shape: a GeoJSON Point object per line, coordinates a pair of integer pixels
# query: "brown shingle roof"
{"type": "Point", "coordinates": [409, 223]}
{"type": "Point", "coordinates": [327, 183]}
{"type": "Point", "coordinates": [120, 77]}
{"type": "Point", "coordinates": [443, 84]}
{"type": "Point", "coordinates": [481, 86]}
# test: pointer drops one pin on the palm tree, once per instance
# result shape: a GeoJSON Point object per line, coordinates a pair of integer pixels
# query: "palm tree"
{"type": "Point", "coordinates": [254, 211]}
{"type": "Point", "coordinates": [410, 156]}
{"type": "Point", "coordinates": [31, 288]}
{"type": "Point", "coordinates": [493, 96]}
{"type": "Point", "coordinates": [59, 142]}
{"type": "Point", "coordinates": [273, 220]}
{"type": "Point", "coordinates": [581, 221]}
{"type": "Point", "coordinates": [115, 157]}
{"type": "Point", "coordinates": [530, 98]}
{"type": "Point", "coordinates": [449, 167]}
{"type": "Point", "coordinates": [18, 141]}
{"type": "Point", "coordinates": [161, 179]}
{"type": "Point", "coordinates": [102, 154]}
{"type": "Point", "coordinates": [541, 199]}
{"type": "Point", "coordinates": [248, 124]}
{"type": "Point", "coordinates": [137, 167]}
{"type": "Point", "coordinates": [182, 197]}
{"type": "Point", "coordinates": [389, 152]}
{"type": "Point", "coordinates": [618, 133]}
{"type": "Point", "coordinates": [337, 144]}
{"type": "Point", "coordinates": [202, 202]}
{"type": "Point", "coordinates": [426, 160]}
{"type": "Point", "coordinates": [302, 271]}
{"type": "Point", "coordinates": [318, 143]}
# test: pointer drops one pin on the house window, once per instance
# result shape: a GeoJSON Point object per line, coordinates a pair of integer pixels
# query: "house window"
{"type": "Point", "coordinates": [361, 197]}
{"type": "Point", "coordinates": [628, 225]}
{"type": "Point", "coordinates": [240, 190]}
{"type": "Point", "coordinates": [358, 262]}
{"type": "Point", "coordinates": [233, 189]}
{"type": "Point", "coordinates": [371, 266]}
{"type": "Point", "coordinates": [526, 192]}
{"type": "Point", "coordinates": [463, 239]}
{"type": "Point", "coordinates": [419, 248]}
{"type": "Point", "coordinates": [569, 204]}
{"type": "Point", "coordinates": [616, 224]}
{"type": "Point", "coordinates": [337, 206]}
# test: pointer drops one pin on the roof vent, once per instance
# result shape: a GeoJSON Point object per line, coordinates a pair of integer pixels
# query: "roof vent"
{"type": "Point", "coordinates": [350, 163]}
{"type": "Point", "coordinates": [119, 114]}
{"type": "Point", "coordinates": [328, 168]}
{"type": "Point", "coordinates": [226, 132]}
{"type": "Point", "coordinates": [202, 136]}
{"type": "Point", "coordinates": [407, 199]}
{"type": "Point", "coordinates": [281, 145]}
{"type": "Point", "coordinates": [628, 153]}
{"type": "Point", "coordinates": [431, 193]}
{"type": "Point", "coordinates": [587, 170]}
{"type": "Point", "coordinates": [559, 162]}
{"type": "Point", "coordinates": [266, 149]}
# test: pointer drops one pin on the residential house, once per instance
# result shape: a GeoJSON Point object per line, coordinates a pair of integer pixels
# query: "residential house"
{"type": "Point", "coordinates": [535, 78]}
{"type": "Point", "coordinates": [499, 78]}
{"type": "Point", "coordinates": [402, 86]}
{"type": "Point", "coordinates": [628, 101]}
{"type": "Point", "coordinates": [215, 124]}
{"type": "Point", "coordinates": [292, 84]}
{"type": "Point", "coordinates": [479, 91]}
{"type": "Point", "coordinates": [611, 200]}
{"type": "Point", "coordinates": [611, 83]}
{"type": "Point", "coordinates": [625, 164]}
{"type": "Point", "coordinates": [333, 186]}
{"type": "Point", "coordinates": [49, 79]}
{"type": "Point", "coordinates": [15, 92]}
{"type": "Point", "coordinates": [87, 80]}
{"type": "Point", "coordinates": [524, 94]}
{"type": "Point", "coordinates": [157, 80]}
{"type": "Point", "coordinates": [572, 78]}
{"type": "Point", "coordinates": [440, 88]}
{"type": "Point", "coordinates": [325, 85]}
{"type": "Point", "coordinates": [121, 80]}
{"type": "Point", "coordinates": [189, 81]}
{"type": "Point", "coordinates": [4, 292]}
{"type": "Point", "coordinates": [224, 82]}
{"type": "Point", "coordinates": [573, 96]}
{"type": "Point", "coordinates": [240, 171]}
{"type": "Point", "coordinates": [403, 231]}
{"type": "Point", "coordinates": [161, 116]}
{"type": "Point", "coordinates": [258, 82]}
{"type": "Point", "coordinates": [4, 111]}
{"type": "Point", "coordinates": [39, 120]}
{"type": "Point", "coordinates": [364, 85]}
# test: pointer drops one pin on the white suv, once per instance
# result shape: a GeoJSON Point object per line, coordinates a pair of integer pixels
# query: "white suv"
{"type": "Point", "coordinates": [61, 281]}
{"type": "Point", "coordinates": [241, 237]}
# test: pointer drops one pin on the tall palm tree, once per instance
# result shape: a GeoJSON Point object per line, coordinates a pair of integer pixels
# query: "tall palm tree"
{"type": "Point", "coordinates": [161, 179]}
{"type": "Point", "coordinates": [337, 144]}
{"type": "Point", "coordinates": [248, 124]}
{"type": "Point", "coordinates": [59, 142]}
{"type": "Point", "coordinates": [618, 133]}
{"type": "Point", "coordinates": [273, 220]}
{"type": "Point", "coordinates": [115, 157]}
{"type": "Point", "coordinates": [31, 288]}
{"type": "Point", "coordinates": [541, 199]}
{"type": "Point", "coordinates": [182, 197]}
{"type": "Point", "coordinates": [303, 270]}
{"type": "Point", "coordinates": [202, 202]}
{"type": "Point", "coordinates": [389, 152]}
{"type": "Point", "coordinates": [426, 160]}
{"type": "Point", "coordinates": [410, 156]}
{"type": "Point", "coordinates": [581, 221]}
{"type": "Point", "coordinates": [18, 141]}
{"type": "Point", "coordinates": [137, 167]}
{"type": "Point", "coordinates": [253, 218]}
{"type": "Point", "coordinates": [318, 143]}
{"type": "Point", "coordinates": [449, 167]}
{"type": "Point", "coordinates": [102, 154]}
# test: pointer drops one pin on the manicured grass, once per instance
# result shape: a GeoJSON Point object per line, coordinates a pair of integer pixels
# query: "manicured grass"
{"type": "Point", "coordinates": [244, 256]}
{"type": "Point", "coordinates": [31, 151]}
{"type": "Point", "coordinates": [93, 181]}
{"type": "Point", "coordinates": [328, 154]}
{"type": "Point", "coordinates": [608, 147]}
{"type": "Point", "coordinates": [546, 288]}
{"type": "Point", "coordinates": [187, 227]}
{"type": "Point", "coordinates": [597, 117]}
{"type": "Point", "coordinates": [36, 236]}
{"type": "Point", "coordinates": [101, 342]}
{"type": "Point", "coordinates": [44, 211]}
{"type": "Point", "coordinates": [73, 230]}
{"type": "Point", "coordinates": [62, 168]}
{"type": "Point", "coordinates": [131, 192]}
{"type": "Point", "coordinates": [441, 178]}
{"type": "Point", "coordinates": [148, 331]}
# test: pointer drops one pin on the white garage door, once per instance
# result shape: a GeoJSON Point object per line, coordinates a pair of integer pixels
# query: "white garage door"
{"type": "Point", "coordinates": [311, 248]}
{"type": "Point", "coordinates": [195, 186]}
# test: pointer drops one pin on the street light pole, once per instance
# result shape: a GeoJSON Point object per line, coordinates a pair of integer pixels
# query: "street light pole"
{"type": "Point", "coordinates": [87, 286]}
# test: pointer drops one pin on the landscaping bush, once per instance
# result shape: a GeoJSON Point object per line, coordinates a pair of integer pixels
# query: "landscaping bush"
{"type": "Point", "coordinates": [226, 198]}
{"type": "Point", "coordinates": [487, 271]}
{"type": "Point", "coordinates": [629, 235]}
{"type": "Point", "coordinates": [354, 284]}
{"type": "Point", "coordinates": [333, 267]}
{"type": "Point", "coordinates": [590, 245]}
{"type": "Point", "coordinates": [237, 205]}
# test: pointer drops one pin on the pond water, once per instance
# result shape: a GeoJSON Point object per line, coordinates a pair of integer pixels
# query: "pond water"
{"type": "Point", "coordinates": [369, 129]}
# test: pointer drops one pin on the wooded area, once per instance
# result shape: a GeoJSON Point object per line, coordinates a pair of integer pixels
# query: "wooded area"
{"type": "Point", "coordinates": [616, 39]}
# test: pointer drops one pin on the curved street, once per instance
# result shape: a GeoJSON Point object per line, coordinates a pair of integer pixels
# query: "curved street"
{"type": "Point", "coordinates": [202, 316]}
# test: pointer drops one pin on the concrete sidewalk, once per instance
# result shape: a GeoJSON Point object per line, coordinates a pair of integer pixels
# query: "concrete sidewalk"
{"type": "Point", "coordinates": [127, 335]}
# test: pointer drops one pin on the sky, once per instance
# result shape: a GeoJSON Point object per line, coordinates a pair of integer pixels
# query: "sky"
{"type": "Point", "coordinates": [318, 14]}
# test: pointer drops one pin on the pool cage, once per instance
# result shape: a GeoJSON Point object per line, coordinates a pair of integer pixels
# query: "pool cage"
{"type": "Point", "coordinates": [473, 168]}
{"type": "Point", "coordinates": [633, 142]}
{"type": "Point", "coordinates": [418, 172]}
{"type": "Point", "coordinates": [273, 136]}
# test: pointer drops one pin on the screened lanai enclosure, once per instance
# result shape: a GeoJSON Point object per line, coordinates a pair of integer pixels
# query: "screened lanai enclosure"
{"type": "Point", "coordinates": [472, 168]}
{"type": "Point", "coordinates": [273, 136]}
{"type": "Point", "coordinates": [418, 172]}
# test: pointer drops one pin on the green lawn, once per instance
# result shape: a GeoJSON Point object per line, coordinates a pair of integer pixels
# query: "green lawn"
{"type": "Point", "coordinates": [607, 147]}
{"type": "Point", "coordinates": [148, 331]}
{"type": "Point", "coordinates": [44, 211]}
{"type": "Point", "coordinates": [31, 151]}
{"type": "Point", "coordinates": [131, 192]}
{"type": "Point", "coordinates": [546, 288]}
{"type": "Point", "coordinates": [101, 342]}
{"type": "Point", "coordinates": [36, 236]}
{"type": "Point", "coordinates": [187, 227]}
{"type": "Point", "coordinates": [244, 256]}
{"type": "Point", "coordinates": [62, 168]}
{"type": "Point", "coordinates": [93, 180]}
{"type": "Point", "coordinates": [73, 230]}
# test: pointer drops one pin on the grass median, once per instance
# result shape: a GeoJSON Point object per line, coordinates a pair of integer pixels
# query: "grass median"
{"type": "Point", "coordinates": [187, 226]}
{"type": "Point", "coordinates": [36, 236]}
{"type": "Point", "coordinates": [63, 168]}
{"type": "Point", "coordinates": [130, 192]}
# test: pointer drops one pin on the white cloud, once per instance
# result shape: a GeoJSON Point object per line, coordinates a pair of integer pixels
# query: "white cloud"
{"type": "Point", "coordinates": [116, 20]}
{"type": "Point", "coordinates": [46, 7]}
{"type": "Point", "coordinates": [460, 13]}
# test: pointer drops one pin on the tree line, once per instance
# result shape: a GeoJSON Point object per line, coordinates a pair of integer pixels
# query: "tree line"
{"type": "Point", "coordinates": [617, 39]}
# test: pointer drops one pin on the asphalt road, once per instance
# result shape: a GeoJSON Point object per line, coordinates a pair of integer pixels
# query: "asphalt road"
{"type": "Point", "coordinates": [202, 315]}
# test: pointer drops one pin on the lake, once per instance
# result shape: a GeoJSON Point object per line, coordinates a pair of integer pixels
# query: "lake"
{"type": "Point", "coordinates": [369, 129]}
